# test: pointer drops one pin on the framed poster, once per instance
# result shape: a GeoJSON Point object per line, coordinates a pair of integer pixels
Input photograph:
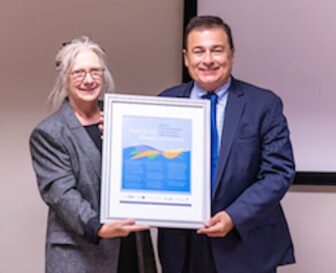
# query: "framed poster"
{"type": "Point", "coordinates": [156, 160]}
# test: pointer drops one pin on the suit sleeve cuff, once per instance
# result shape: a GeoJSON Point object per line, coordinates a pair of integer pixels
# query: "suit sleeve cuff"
{"type": "Point", "coordinates": [91, 230]}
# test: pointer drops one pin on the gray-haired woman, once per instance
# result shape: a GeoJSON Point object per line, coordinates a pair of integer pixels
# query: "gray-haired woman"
{"type": "Point", "coordinates": [66, 155]}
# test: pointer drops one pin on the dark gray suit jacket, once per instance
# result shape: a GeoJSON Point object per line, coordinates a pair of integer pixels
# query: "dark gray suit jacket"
{"type": "Point", "coordinates": [68, 167]}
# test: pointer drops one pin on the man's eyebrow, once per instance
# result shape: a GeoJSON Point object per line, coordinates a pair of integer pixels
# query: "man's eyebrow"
{"type": "Point", "coordinates": [197, 47]}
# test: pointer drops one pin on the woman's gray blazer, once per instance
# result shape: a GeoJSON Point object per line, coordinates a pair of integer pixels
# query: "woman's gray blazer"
{"type": "Point", "coordinates": [68, 166]}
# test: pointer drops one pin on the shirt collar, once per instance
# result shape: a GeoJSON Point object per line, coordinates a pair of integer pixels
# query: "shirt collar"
{"type": "Point", "coordinates": [221, 91]}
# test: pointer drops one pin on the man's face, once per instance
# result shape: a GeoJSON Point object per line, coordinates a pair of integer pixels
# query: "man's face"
{"type": "Point", "coordinates": [208, 57]}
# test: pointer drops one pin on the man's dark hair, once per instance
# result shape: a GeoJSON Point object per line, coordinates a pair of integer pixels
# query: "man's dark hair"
{"type": "Point", "coordinates": [207, 22]}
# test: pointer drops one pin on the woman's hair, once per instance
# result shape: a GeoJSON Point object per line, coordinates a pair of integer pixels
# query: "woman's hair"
{"type": "Point", "coordinates": [64, 61]}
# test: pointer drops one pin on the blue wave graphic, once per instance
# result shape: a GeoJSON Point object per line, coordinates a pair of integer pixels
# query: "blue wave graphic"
{"type": "Point", "coordinates": [150, 169]}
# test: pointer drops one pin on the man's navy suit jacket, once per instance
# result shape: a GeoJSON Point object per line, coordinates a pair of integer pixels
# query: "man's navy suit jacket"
{"type": "Point", "coordinates": [255, 170]}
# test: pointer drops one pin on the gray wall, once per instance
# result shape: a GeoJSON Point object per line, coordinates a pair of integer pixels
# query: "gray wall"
{"type": "Point", "coordinates": [143, 43]}
{"type": "Point", "coordinates": [310, 211]}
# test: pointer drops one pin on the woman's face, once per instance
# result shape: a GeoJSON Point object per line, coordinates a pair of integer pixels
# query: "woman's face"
{"type": "Point", "coordinates": [85, 79]}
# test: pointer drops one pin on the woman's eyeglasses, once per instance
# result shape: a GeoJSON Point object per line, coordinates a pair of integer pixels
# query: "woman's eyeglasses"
{"type": "Point", "coordinates": [80, 74]}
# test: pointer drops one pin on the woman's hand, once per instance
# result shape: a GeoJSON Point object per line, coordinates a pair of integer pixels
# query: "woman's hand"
{"type": "Point", "coordinates": [101, 122]}
{"type": "Point", "coordinates": [120, 228]}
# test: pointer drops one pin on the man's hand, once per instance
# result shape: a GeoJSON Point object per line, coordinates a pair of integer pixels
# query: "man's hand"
{"type": "Point", "coordinates": [217, 226]}
{"type": "Point", "coordinates": [120, 228]}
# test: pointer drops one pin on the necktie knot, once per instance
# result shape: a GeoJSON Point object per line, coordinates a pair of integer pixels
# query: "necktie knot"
{"type": "Point", "coordinates": [212, 96]}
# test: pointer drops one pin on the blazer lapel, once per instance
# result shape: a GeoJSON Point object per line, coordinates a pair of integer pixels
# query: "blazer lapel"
{"type": "Point", "coordinates": [233, 112]}
{"type": "Point", "coordinates": [186, 90]}
{"type": "Point", "coordinates": [82, 138]}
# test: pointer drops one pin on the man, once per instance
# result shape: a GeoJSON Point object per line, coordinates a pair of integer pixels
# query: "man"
{"type": "Point", "coordinates": [247, 232]}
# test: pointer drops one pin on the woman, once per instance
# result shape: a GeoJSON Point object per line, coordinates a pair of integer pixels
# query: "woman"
{"type": "Point", "coordinates": [66, 155]}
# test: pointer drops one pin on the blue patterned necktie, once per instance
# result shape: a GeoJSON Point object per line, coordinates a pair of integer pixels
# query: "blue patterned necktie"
{"type": "Point", "coordinates": [214, 136]}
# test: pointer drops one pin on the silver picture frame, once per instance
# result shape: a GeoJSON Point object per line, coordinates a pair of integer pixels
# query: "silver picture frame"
{"type": "Point", "coordinates": [156, 161]}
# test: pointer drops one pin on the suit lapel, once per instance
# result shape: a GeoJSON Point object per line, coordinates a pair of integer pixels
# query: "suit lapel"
{"type": "Point", "coordinates": [233, 112]}
{"type": "Point", "coordinates": [82, 138]}
{"type": "Point", "coordinates": [186, 90]}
